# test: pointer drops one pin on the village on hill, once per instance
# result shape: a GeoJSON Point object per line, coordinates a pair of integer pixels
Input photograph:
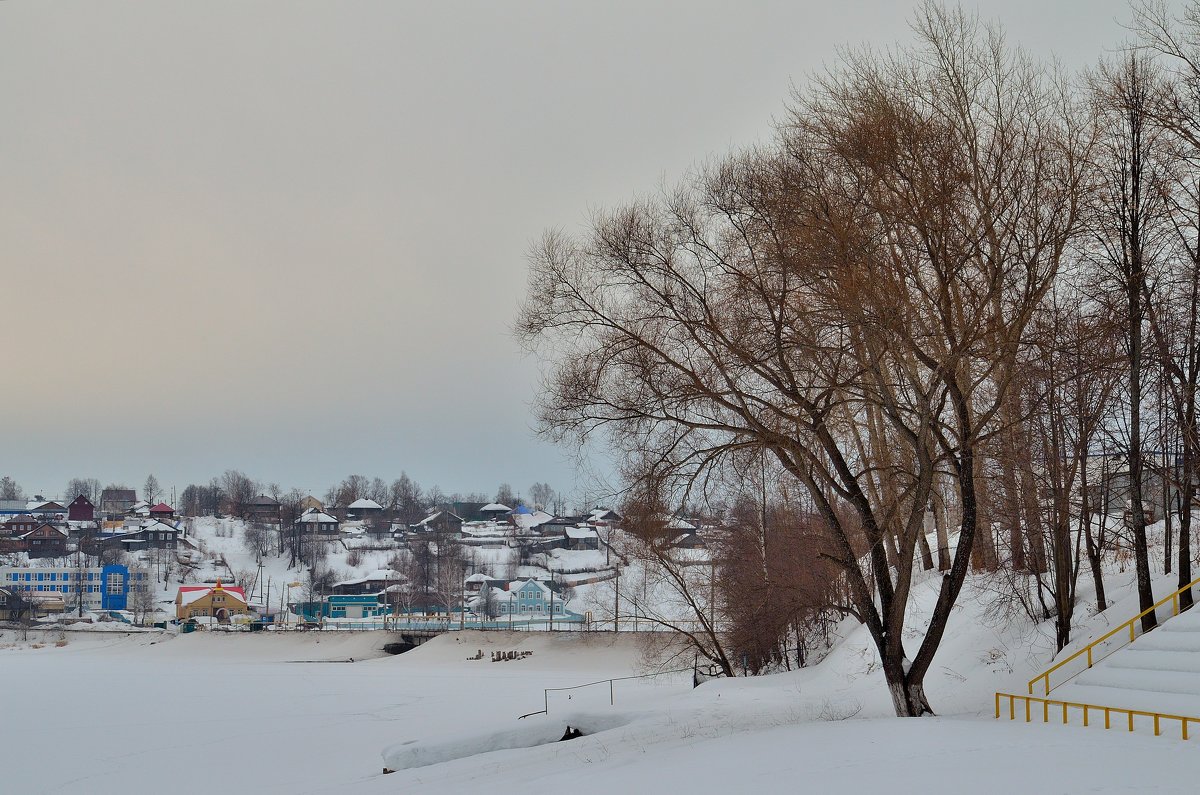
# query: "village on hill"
{"type": "Point", "coordinates": [354, 565]}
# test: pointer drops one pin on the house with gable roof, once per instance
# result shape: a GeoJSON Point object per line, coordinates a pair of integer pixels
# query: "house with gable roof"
{"type": "Point", "coordinates": [495, 511]}
{"type": "Point", "coordinates": [364, 509]}
{"type": "Point", "coordinates": [81, 509]}
{"type": "Point", "coordinates": [440, 522]}
{"type": "Point", "coordinates": [316, 522]}
{"type": "Point", "coordinates": [217, 601]}
{"type": "Point", "coordinates": [528, 598]}
{"type": "Point", "coordinates": [262, 509]}
{"type": "Point", "coordinates": [45, 541]}
{"type": "Point", "coordinates": [162, 512]}
{"type": "Point", "coordinates": [19, 525]}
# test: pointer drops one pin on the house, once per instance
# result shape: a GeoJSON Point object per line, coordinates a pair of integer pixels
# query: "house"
{"type": "Point", "coordinates": [45, 541]}
{"type": "Point", "coordinates": [12, 507]}
{"type": "Point", "coordinates": [44, 508]}
{"type": "Point", "coordinates": [350, 606]}
{"type": "Point", "coordinates": [604, 517]}
{"type": "Point", "coordinates": [579, 538]}
{"type": "Point", "coordinates": [115, 503]}
{"type": "Point", "coordinates": [316, 522]}
{"type": "Point", "coordinates": [19, 525]}
{"type": "Point", "coordinates": [218, 601]}
{"type": "Point", "coordinates": [372, 583]}
{"type": "Point", "coordinates": [527, 520]}
{"type": "Point", "coordinates": [12, 606]}
{"type": "Point", "coordinates": [17, 605]}
{"type": "Point", "coordinates": [521, 599]}
{"type": "Point", "coordinates": [469, 511]}
{"type": "Point", "coordinates": [689, 539]}
{"type": "Point", "coordinates": [262, 509]}
{"type": "Point", "coordinates": [81, 509]}
{"type": "Point", "coordinates": [440, 522]}
{"type": "Point", "coordinates": [364, 509]}
{"type": "Point", "coordinates": [311, 503]}
{"type": "Point", "coordinates": [153, 534]}
{"type": "Point", "coordinates": [495, 512]}
{"type": "Point", "coordinates": [162, 511]}
{"type": "Point", "coordinates": [93, 587]}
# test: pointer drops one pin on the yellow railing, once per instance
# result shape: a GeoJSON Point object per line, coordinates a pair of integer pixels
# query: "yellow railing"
{"type": "Point", "coordinates": [1088, 651]}
{"type": "Point", "coordinates": [1088, 710]}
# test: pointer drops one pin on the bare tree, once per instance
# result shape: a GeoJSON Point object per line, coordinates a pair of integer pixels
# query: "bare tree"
{"type": "Point", "coordinates": [850, 303]}
{"type": "Point", "coordinates": [542, 495]}
{"type": "Point", "coordinates": [86, 487]}
{"type": "Point", "coordinates": [237, 489]}
{"type": "Point", "coordinates": [10, 489]}
{"type": "Point", "coordinates": [405, 500]}
{"type": "Point", "coordinates": [1174, 309]}
{"type": "Point", "coordinates": [1129, 224]}
{"type": "Point", "coordinates": [150, 490]}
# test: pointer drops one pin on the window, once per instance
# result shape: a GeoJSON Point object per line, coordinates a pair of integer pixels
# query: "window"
{"type": "Point", "coordinates": [116, 584]}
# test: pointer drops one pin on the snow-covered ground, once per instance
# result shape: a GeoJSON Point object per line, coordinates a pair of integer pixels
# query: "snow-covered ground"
{"type": "Point", "coordinates": [289, 712]}
{"type": "Point", "coordinates": [327, 712]}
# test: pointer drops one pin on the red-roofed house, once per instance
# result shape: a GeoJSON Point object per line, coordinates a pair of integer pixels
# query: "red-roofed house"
{"type": "Point", "coordinates": [162, 511]}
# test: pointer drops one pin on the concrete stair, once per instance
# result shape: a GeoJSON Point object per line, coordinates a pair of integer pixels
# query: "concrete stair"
{"type": "Point", "coordinates": [1158, 672]}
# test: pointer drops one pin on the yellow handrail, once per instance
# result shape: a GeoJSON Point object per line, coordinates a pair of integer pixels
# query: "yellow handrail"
{"type": "Point", "coordinates": [1131, 625]}
{"type": "Point", "coordinates": [1046, 703]}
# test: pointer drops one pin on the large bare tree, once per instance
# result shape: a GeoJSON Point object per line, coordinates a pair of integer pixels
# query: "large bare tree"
{"type": "Point", "coordinates": [849, 301]}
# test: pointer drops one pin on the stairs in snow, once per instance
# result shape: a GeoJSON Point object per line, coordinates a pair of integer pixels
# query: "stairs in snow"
{"type": "Point", "coordinates": [1158, 672]}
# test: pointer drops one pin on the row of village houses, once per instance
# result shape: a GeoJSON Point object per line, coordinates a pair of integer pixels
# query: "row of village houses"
{"type": "Point", "coordinates": [48, 529]}
{"type": "Point", "coordinates": [45, 529]}
{"type": "Point", "coordinates": [377, 595]}
{"type": "Point", "coordinates": [29, 593]}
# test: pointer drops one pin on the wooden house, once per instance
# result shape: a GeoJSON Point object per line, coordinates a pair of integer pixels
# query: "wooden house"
{"type": "Point", "coordinates": [81, 509]}
{"type": "Point", "coordinates": [115, 503]}
{"type": "Point", "coordinates": [315, 522]}
{"type": "Point", "coordinates": [262, 509]}
{"type": "Point", "coordinates": [45, 541]}
{"type": "Point", "coordinates": [19, 525]}
{"type": "Point", "coordinates": [364, 509]}
{"type": "Point", "coordinates": [156, 534]}
{"type": "Point", "coordinates": [495, 512]}
{"type": "Point", "coordinates": [162, 512]}
{"type": "Point", "coordinates": [440, 522]}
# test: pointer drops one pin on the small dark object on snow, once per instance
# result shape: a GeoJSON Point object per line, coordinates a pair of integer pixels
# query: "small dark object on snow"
{"type": "Point", "coordinates": [571, 733]}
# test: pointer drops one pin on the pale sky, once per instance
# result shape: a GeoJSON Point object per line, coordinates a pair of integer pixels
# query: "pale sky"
{"type": "Point", "coordinates": [289, 237]}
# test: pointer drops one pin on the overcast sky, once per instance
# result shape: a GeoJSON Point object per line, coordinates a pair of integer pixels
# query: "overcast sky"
{"type": "Point", "coordinates": [289, 237]}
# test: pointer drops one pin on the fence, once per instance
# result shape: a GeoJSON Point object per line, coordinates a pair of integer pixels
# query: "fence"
{"type": "Point", "coordinates": [1088, 710]}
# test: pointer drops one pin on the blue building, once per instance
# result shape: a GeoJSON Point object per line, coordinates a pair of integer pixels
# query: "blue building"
{"type": "Point", "coordinates": [97, 588]}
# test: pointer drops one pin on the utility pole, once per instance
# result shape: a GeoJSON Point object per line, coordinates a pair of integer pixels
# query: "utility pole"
{"type": "Point", "coordinates": [617, 604]}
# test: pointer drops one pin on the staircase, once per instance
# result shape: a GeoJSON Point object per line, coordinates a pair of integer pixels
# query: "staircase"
{"type": "Point", "coordinates": [1123, 679]}
{"type": "Point", "coordinates": [1158, 672]}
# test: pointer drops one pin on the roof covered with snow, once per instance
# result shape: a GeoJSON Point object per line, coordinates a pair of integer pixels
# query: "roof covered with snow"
{"type": "Point", "coordinates": [192, 593]}
{"type": "Point", "coordinates": [495, 507]}
{"type": "Point", "coordinates": [313, 516]}
{"type": "Point", "coordinates": [581, 532]}
{"type": "Point", "coordinates": [365, 504]}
